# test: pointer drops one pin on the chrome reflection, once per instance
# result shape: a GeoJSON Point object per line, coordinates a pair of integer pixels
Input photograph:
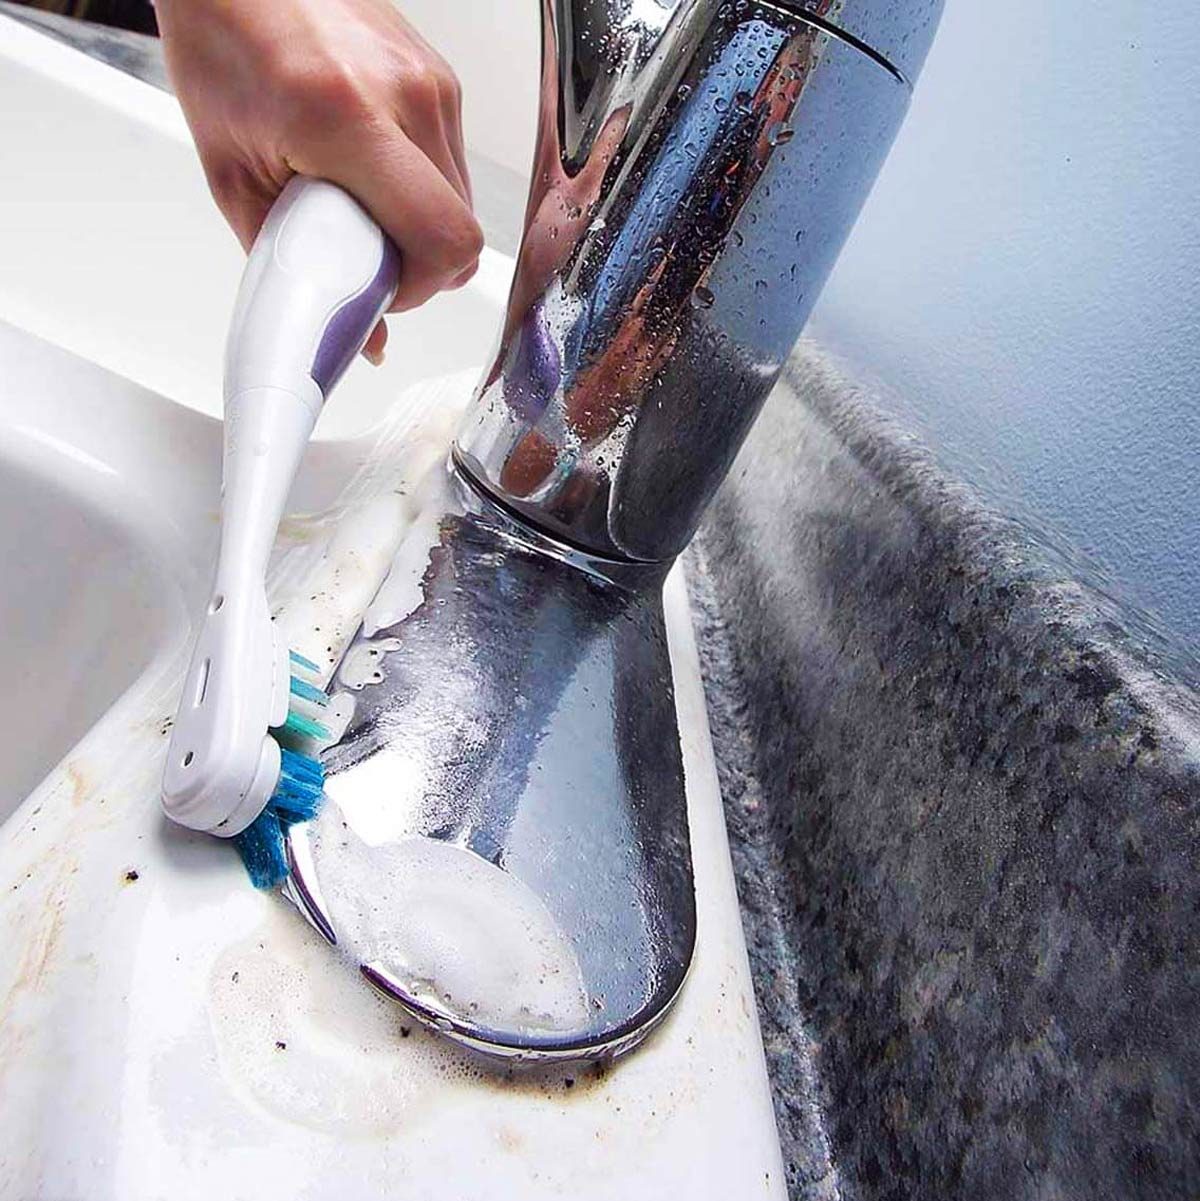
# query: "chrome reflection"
{"type": "Point", "coordinates": [698, 166]}
{"type": "Point", "coordinates": [504, 845]}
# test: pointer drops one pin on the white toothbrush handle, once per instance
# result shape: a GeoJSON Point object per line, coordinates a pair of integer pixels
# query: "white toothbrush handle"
{"type": "Point", "coordinates": [320, 275]}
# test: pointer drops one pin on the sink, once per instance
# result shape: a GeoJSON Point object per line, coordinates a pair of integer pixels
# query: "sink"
{"type": "Point", "coordinates": [107, 529]}
{"type": "Point", "coordinates": [88, 599]}
{"type": "Point", "coordinates": [81, 609]}
{"type": "Point", "coordinates": [166, 1030]}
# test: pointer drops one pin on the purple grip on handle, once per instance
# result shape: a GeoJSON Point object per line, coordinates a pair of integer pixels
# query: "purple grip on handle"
{"type": "Point", "coordinates": [350, 325]}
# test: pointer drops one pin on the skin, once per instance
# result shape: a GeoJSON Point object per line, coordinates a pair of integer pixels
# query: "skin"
{"type": "Point", "coordinates": [344, 90]}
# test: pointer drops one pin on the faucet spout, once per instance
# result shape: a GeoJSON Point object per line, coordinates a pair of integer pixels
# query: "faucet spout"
{"type": "Point", "coordinates": [699, 164]}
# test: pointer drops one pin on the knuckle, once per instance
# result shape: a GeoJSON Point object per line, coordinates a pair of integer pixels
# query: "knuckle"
{"type": "Point", "coordinates": [476, 241]}
{"type": "Point", "coordinates": [464, 242]}
{"type": "Point", "coordinates": [341, 91]}
{"type": "Point", "coordinates": [326, 91]}
{"type": "Point", "coordinates": [449, 87]}
{"type": "Point", "coordinates": [422, 84]}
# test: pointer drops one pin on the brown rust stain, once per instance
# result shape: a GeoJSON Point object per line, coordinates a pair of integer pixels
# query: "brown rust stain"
{"type": "Point", "coordinates": [79, 785]}
{"type": "Point", "coordinates": [510, 1140]}
{"type": "Point", "coordinates": [47, 928]}
{"type": "Point", "coordinates": [39, 951]}
{"type": "Point", "coordinates": [302, 527]}
{"type": "Point", "coordinates": [37, 957]}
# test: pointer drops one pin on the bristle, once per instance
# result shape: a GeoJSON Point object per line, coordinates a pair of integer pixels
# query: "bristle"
{"type": "Point", "coordinates": [261, 847]}
{"type": "Point", "coordinates": [299, 660]}
{"type": "Point", "coordinates": [298, 723]}
{"type": "Point", "coordinates": [301, 782]}
{"type": "Point", "coordinates": [308, 692]}
{"type": "Point", "coordinates": [297, 796]}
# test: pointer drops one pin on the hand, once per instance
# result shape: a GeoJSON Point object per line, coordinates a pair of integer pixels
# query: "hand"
{"type": "Point", "coordinates": [344, 90]}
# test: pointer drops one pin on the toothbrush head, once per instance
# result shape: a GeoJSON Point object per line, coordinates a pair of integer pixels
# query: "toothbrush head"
{"type": "Point", "coordinates": [297, 796]}
{"type": "Point", "coordinates": [249, 727]}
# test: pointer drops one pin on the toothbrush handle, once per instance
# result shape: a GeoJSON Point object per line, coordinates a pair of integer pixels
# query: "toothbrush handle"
{"type": "Point", "coordinates": [320, 275]}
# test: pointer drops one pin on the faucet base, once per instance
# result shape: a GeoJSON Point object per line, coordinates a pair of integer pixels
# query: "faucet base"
{"type": "Point", "coordinates": [504, 846]}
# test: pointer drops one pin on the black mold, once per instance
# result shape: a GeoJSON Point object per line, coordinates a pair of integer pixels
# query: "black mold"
{"type": "Point", "coordinates": [964, 797]}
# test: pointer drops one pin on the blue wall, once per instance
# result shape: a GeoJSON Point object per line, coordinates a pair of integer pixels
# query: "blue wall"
{"type": "Point", "coordinates": [1024, 285]}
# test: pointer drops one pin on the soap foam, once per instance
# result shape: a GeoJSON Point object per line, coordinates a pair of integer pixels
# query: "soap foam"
{"type": "Point", "coordinates": [401, 594]}
{"type": "Point", "coordinates": [311, 1044]}
{"type": "Point", "coordinates": [363, 663]}
{"type": "Point", "coordinates": [455, 930]}
{"type": "Point", "coordinates": [332, 564]}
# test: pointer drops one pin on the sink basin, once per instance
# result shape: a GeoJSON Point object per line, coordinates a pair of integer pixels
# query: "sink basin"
{"type": "Point", "coordinates": [81, 610]}
{"type": "Point", "coordinates": [87, 601]}
{"type": "Point", "coordinates": [97, 565]}
{"type": "Point", "coordinates": [166, 1030]}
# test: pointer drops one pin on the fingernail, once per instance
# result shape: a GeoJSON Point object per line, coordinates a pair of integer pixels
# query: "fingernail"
{"type": "Point", "coordinates": [374, 357]}
{"type": "Point", "coordinates": [464, 276]}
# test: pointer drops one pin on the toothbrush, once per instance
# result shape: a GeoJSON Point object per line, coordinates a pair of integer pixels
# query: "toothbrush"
{"type": "Point", "coordinates": [319, 276]}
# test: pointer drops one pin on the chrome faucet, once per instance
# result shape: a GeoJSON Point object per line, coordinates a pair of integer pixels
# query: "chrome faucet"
{"type": "Point", "coordinates": [698, 165]}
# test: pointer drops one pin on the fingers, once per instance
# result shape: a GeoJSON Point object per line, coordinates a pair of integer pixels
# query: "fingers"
{"type": "Point", "coordinates": [373, 350]}
{"type": "Point", "coordinates": [395, 144]}
{"type": "Point", "coordinates": [435, 129]}
{"type": "Point", "coordinates": [446, 147]}
{"type": "Point", "coordinates": [243, 198]}
{"type": "Point", "coordinates": [459, 152]}
{"type": "Point", "coordinates": [417, 206]}
{"type": "Point", "coordinates": [427, 97]}
{"type": "Point", "coordinates": [428, 110]}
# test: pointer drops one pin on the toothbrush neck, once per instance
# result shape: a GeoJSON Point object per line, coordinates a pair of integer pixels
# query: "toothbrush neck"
{"type": "Point", "coordinates": [266, 430]}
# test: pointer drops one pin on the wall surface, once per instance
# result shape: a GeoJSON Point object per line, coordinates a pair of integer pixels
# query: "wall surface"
{"type": "Point", "coordinates": [494, 47]}
{"type": "Point", "coordinates": [1025, 281]}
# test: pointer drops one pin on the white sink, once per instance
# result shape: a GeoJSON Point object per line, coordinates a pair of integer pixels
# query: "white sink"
{"type": "Point", "coordinates": [165, 1030]}
{"type": "Point", "coordinates": [82, 607]}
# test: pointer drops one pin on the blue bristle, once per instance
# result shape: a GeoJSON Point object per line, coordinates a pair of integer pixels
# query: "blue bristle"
{"type": "Point", "coordinates": [300, 661]}
{"type": "Point", "coordinates": [308, 692]}
{"type": "Point", "coordinates": [297, 798]}
{"type": "Point", "coordinates": [293, 763]}
{"type": "Point", "coordinates": [260, 845]}
{"type": "Point", "coordinates": [301, 782]}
